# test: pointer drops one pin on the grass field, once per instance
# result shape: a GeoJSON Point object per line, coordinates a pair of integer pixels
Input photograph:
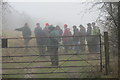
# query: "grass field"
{"type": "Point", "coordinates": [13, 52]}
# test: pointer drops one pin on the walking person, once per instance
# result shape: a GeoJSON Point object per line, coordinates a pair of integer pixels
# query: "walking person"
{"type": "Point", "coordinates": [26, 33]}
{"type": "Point", "coordinates": [40, 40]}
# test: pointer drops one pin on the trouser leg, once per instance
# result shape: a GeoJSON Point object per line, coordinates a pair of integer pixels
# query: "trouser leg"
{"type": "Point", "coordinates": [77, 49]}
{"type": "Point", "coordinates": [26, 41]}
{"type": "Point", "coordinates": [90, 47]}
{"type": "Point", "coordinates": [66, 47]}
{"type": "Point", "coordinates": [41, 50]}
{"type": "Point", "coordinates": [82, 46]}
{"type": "Point", "coordinates": [54, 56]}
{"type": "Point", "coordinates": [98, 45]}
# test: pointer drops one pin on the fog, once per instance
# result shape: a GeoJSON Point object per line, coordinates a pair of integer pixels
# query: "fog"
{"type": "Point", "coordinates": [57, 13]}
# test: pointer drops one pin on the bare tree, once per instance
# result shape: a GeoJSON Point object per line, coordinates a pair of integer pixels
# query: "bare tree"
{"type": "Point", "coordinates": [108, 18]}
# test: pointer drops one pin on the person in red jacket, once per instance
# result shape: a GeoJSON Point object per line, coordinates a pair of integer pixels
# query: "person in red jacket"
{"type": "Point", "coordinates": [66, 39]}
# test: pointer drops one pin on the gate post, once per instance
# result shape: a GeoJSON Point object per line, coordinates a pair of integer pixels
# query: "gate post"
{"type": "Point", "coordinates": [4, 43]}
{"type": "Point", "coordinates": [106, 46]}
{"type": "Point", "coordinates": [100, 53]}
{"type": "Point", "coordinates": [118, 27]}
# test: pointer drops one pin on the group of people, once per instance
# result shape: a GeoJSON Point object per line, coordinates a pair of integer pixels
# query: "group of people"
{"type": "Point", "coordinates": [51, 36]}
{"type": "Point", "coordinates": [83, 37]}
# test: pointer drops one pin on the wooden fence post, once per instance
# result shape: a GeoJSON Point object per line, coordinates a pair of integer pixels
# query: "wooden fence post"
{"type": "Point", "coordinates": [106, 46]}
{"type": "Point", "coordinates": [100, 53]}
{"type": "Point", "coordinates": [118, 39]}
{"type": "Point", "coordinates": [4, 43]}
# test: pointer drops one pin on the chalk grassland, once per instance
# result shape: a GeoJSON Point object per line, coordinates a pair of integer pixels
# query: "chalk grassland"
{"type": "Point", "coordinates": [34, 51]}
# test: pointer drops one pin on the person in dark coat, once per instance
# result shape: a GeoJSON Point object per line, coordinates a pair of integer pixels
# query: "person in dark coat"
{"type": "Point", "coordinates": [89, 38]}
{"type": "Point", "coordinates": [53, 48]}
{"type": "Point", "coordinates": [46, 30]}
{"type": "Point", "coordinates": [26, 32]}
{"type": "Point", "coordinates": [76, 39]}
{"type": "Point", "coordinates": [59, 31]}
{"type": "Point", "coordinates": [82, 39]}
{"type": "Point", "coordinates": [96, 31]}
{"type": "Point", "coordinates": [39, 34]}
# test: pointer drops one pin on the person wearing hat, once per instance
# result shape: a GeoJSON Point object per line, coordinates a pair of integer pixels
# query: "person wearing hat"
{"type": "Point", "coordinates": [53, 45]}
{"type": "Point", "coordinates": [26, 32]}
{"type": "Point", "coordinates": [89, 38]}
{"type": "Point", "coordinates": [76, 39]}
{"type": "Point", "coordinates": [40, 40]}
{"type": "Point", "coordinates": [82, 33]}
{"type": "Point", "coordinates": [46, 27]}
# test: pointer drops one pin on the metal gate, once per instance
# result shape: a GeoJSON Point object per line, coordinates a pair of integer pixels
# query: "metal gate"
{"type": "Point", "coordinates": [19, 63]}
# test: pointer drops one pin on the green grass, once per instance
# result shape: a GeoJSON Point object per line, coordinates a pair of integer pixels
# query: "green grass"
{"type": "Point", "coordinates": [63, 75]}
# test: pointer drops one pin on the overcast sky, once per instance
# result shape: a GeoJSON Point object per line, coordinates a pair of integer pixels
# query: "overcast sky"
{"type": "Point", "coordinates": [71, 13]}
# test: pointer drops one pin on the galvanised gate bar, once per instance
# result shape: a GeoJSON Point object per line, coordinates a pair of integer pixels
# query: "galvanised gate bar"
{"type": "Point", "coordinates": [29, 64]}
